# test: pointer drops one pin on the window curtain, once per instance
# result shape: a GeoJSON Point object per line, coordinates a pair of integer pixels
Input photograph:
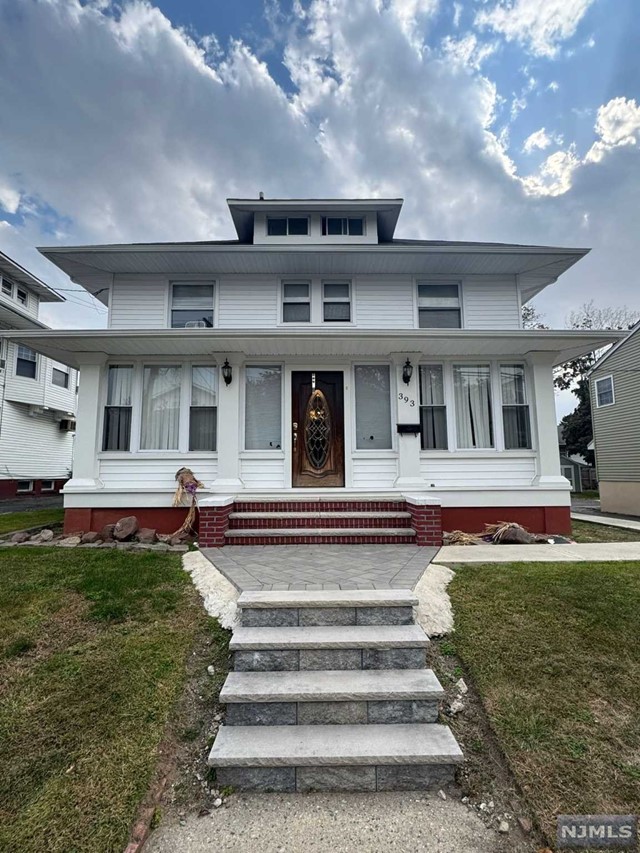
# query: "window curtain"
{"type": "Point", "coordinates": [160, 407]}
{"type": "Point", "coordinates": [203, 412]}
{"type": "Point", "coordinates": [433, 414]}
{"type": "Point", "coordinates": [515, 411]}
{"type": "Point", "coordinates": [263, 408]}
{"type": "Point", "coordinates": [117, 413]}
{"type": "Point", "coordinates": [373, 407]}
{"type": "Point", "coordinates": [472, 389]}
{"type": "Point", "coordinates": [119, 385]}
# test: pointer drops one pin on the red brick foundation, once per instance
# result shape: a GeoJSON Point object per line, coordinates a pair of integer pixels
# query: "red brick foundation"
{"type": "Point", "coordinates": [537, 519]}
{"type": "Point", "coordinates": [161, 519]}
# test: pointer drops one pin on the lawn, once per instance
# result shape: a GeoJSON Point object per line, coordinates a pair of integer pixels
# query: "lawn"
{"type": "Point", "coordinates": [584, 531]}
{"type": "Point", "coordinates": [10, 521]}
{"type": "Point", "coordinates": [553, 650]}
{"type": "Point", "coordinates": [93, 653]}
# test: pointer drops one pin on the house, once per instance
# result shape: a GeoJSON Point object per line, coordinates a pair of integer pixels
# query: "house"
{"type": "Point", "coordinates": [580, 474]}
{"type": "Point", "coordinates": [37, 394]}
{"type": "Point", "coordinates": [615, 411]}
{"type": "Point", "coordinates": [325, 380]}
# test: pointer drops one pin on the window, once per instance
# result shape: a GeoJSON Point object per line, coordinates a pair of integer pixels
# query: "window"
{"type": "Point", "coordinates": [472, 391]}
{"type": "Point", "coordinates": [21, 296]}
{"type": "Point", "coordinates": [117, 412]}
{"type": "Point", "coordinates": [7, 287]}
{"type": "Point", "coordinates": [604, 392]}
{"type": "Point", "coordinates": [263, 408]}
{"type": "Point", "coordinates": [60, 378]}
{"type": "Point", "coordinates": [26, 362]}
{"type": "Point", "coordinates": [373, 407]}
{"type": "Point", "coordinates": [433, 412]}
{"type": "Point", "coordinates": [515, 409]}
{"type": "Point", "coordinates": [292, 226]}
{"type": "Point", "coordinates": [439, 305]}
{"type": "Point", "coordinates": [160, 407]}
{"type": "Point", "coordinates": [203, 412]}
{"type": "Point", "coordinates": [342, 227]}
{"type": "Point", "coordinates": [191, 305]}
{"type": "Point", "coordinates": [47, 485]}
{"type": "Point", "coordinates": [296, 302]}
{"type": "Point", "coordinates": [336, 302]}
{"type": "Point", "coordinates": [24, 486]}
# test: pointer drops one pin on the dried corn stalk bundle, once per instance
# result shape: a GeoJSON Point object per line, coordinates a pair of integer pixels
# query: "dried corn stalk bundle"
{"type": "Point", "coordinates": [188, 485]}
{"type": "Point", "coordinates": [508, 533]}
{"type": "Point", "coordinates": [459, 537]}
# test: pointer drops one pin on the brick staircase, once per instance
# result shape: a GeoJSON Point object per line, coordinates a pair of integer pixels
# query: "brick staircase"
{"type": "Point", "coordinates": [330, 692]}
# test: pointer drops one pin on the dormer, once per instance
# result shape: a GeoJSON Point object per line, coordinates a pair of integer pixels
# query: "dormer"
{"type": "Point", "coordinates": [318, 222]}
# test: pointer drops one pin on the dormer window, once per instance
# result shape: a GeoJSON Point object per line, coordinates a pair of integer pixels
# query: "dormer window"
{"type": "Point", "coordinates": [21, 296]}
{"type": "Point", "coordinates": [290, 226]}
{"type": "Point", "coordinates": [7, 287]}
{"type": "Point", "coordinates": [335, 226]}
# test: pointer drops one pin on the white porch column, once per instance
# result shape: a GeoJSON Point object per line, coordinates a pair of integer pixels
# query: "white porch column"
{"type": "Point", "coordinates": [407, 411]}
{"type": "Point", "coordinates": [229, 429]}
{"type": "Point", "coordinates": [85, 468]}
{"type": "Point", "coordinates": [544, 417]}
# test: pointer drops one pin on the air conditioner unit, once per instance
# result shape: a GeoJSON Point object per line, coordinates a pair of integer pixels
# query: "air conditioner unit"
{"type": "Point", "coordinates": [3, 363]}
{"type": "Point", "coordinates": [195, 324]}
{"type": "Point", "coordinates": [67, 425]}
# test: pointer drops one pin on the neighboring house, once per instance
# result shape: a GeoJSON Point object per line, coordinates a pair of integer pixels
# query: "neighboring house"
{"type": "Point", "coordinates": [615, 411]}
{"type": "Point", "coordinates": [37, 395]}
{"type": "Point", "coordinates": [316, 363]}
{"type": "Point", "coordinates": [575, 468]}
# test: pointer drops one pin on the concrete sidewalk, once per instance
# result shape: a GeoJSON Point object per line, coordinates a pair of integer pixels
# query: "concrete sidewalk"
{"type": "Point", "coordinates": [609, 520]}
{"type": "Point", "coordinates": [579, 552]}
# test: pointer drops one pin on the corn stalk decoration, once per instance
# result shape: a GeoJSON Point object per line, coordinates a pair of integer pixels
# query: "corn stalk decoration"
{"type": "Point", "coordinates": [188, 485]}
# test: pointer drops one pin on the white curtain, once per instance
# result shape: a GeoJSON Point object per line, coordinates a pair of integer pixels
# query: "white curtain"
{"type": "Point", "coordinates": [373, 407]}
{"type": "Point", "coordinates": [433, 413]}
{"type": "Point", "coordinates": [119, 384]}
{"type": "Point", "coordinates": [160, 407]}
{"type": "Point", "coordinates": [203, 412]}
{"type": "Point", "coordinates": [263, 408]}
{"type": "Point", "coordinates": [472, 387]}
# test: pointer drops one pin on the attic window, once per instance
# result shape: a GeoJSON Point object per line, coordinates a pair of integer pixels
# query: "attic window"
{"type": "Point", "coordinates": [291, 226]}
{"type": "Point", "coordinates": [334, 226]}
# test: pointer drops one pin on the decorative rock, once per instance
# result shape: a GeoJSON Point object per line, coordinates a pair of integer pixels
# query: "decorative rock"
{"type": "Point", "coordinates": [90, 538]}
{"type": "Point", "coordinates": [70, 542]}
{"type": "Point", "coordinates": [211, 670]}
{"type": "Point", "coordinates": [43, 536]}
{"type": "Point", "coordinates": [456, 707]}
{"type": "Point", "coordinates": [107, 532]}
{"type": "Point", "coordinates": [126, 528]}
{"type": "Point", "coordinates": [147, 535]}
{"type": "Point", "coordinates": [124, 546]}
{"type": "Point", "coordinates": [107, 545]}
{"type": "Point", "coordinates": [461, 686]}
{"type": "Point", "coordinates": [503, 826]}
{"type": "Point", "coordinates": [164, 537]}
{"type": "Point", "coordinates": [179, 549]}
{"type": "Point", "coordinates": [20, 537]}
{"type": "Point", "coordinates": [176, 540]}
{"type": "Point", "coordinates": [158, 546]}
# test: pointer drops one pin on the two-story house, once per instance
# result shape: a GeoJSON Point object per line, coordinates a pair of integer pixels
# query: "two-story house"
{"type": "Point", "coordinates": [37, 394]}
{"type": "Point", "coordinates": [323, 379]}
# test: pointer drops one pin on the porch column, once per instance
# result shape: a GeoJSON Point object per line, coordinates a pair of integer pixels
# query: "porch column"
{"type": "Point", "coordinates": [544, 416]}
{"type": "Point", "coordinates": [229, 428]}
{"type": "Point", "coordinates": [407, 411]}
{"type": "Point", "coordinates": [85, 467]}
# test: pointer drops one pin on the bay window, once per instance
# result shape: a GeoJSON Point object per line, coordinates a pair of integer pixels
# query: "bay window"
{"type": "Point", "coordinates": [373, 407]}
{"type": "Point", "coordinates": [203, 412]}
{"type": "Point", "coordinates": [433, 412]}
{"type": "Point", "coordinates": [160, 407]}
{"type": "Point", "coordinates": [515, 408]}
{"type": "Point", "coordinates": [263, 407]}
{"type": "Point", "coordinates": [473, 410]}
{"type": "Point", "coordinates": [117, 412]}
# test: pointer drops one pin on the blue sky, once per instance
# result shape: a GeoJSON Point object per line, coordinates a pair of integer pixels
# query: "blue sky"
{"type": "Point", "coordinates": [508, 120]}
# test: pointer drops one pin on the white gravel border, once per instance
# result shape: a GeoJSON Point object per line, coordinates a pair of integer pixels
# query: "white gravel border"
{"type": "Point", "coordinates": [219, 595]}
{"type": "Point", "coordinates": [434, 613]}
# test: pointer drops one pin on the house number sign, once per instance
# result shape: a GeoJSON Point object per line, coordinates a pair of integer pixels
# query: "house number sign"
{"type": "Point", "coordinates": [406, 399]}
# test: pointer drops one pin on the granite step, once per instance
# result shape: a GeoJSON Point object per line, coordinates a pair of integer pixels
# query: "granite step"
{"type": "Point", "coordinates": [316, 532]}
{"type": "Point", "coordinates": [328, 598]}
{"type": "Point", "coordinates": [334, 757]}
{"type": "Point", "coordinates": [331, 697]}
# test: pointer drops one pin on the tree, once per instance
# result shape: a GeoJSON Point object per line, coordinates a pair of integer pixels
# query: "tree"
{"type": "Point", "coordinates": [532, 318]}
{"type": "Point", "coordinates": [576, 427]}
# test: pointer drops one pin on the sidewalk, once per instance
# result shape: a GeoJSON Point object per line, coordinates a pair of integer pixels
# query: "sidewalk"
{"type": "Point", "coordinates": [583, 552]}
{"type": "Point", "coordinates": [609, 520]}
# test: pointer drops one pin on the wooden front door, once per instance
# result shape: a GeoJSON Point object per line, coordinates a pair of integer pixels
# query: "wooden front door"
{"type": "Point", "coordinates": [317, 429]}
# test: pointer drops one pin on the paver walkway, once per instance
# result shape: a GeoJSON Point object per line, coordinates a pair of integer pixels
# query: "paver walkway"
{"type": "Point", "coordinates": [580, 552]}
{"type": "Point", "coordinates": [321, 566]}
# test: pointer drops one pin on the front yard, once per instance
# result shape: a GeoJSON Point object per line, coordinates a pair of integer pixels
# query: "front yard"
{"type": "Point", "coordinates": [585, 531]}
{"type": "Point", "coordinates": [93, 653]}
{"type": "Point", "coordinates": [553, 649]}
{"type": "Point", "coordinates": [10, 521]}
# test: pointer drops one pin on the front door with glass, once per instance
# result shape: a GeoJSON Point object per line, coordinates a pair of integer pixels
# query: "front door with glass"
{"type": "Point", "coordinates": [317, 429]}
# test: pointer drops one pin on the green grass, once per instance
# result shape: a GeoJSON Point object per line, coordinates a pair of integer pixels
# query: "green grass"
{"type": "Point", "coordinates": [588, 495]}
{"type": "Point", "coordinates": [553, 649]}
{"type": "Point", "coordinates": [584, 531]}
{"type": "Point", "coordinates": [11, 521]}
{"type": "Point", "coordinates": [93, 651]}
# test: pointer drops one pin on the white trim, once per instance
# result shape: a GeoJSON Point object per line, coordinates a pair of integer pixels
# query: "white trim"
{"type": "Point", "coordinates": [613, 392]}
{"type": "Point", "coordinates": [27, 491]}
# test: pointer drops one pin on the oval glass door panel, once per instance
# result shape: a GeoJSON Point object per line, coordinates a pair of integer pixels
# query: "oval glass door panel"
{"type": "Point", "coordinates": [317, 430]}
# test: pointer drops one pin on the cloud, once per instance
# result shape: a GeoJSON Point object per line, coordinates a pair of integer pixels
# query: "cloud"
{"type": "Point", "coordinates": [539, 26]}
{"type": "Point", "coordinates": [540, 139]}
{"type": "Point", "coordinates": [467, 51]}
{"type": "Point", "coordinates": [617, 123]}
{"type": "Point", "coordinates": [9, 198]}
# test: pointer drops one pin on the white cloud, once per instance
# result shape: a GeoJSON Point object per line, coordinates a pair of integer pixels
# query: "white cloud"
{"type": "Point", "coordinates": [467, 51]}
{"type": "Point", "coordinates": [618, 122]}
{"type": "Point", "coordinates": [554, 176]}
{"type": "Point", "coordinates": [539, 25]}
{"type": "Point", "coordinates": [540, 139]}
{"type": "Point", "coordinates": [9, 198]}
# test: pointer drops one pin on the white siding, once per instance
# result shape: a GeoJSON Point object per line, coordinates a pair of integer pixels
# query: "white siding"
{"type": "Point", "coordinates": [138, 303]}
{"type": "Point", "coordinates": [374, 473]}
{"type": "Point", "coordinates": [491, 305]}
{"type": "Point", "coordinates": [461, 471]}
{"type": "Point", "coordinates": [33, 448]}
{"type": "Point", "coordinates": [247, 304]}
{"type": "Point", "coordinates": [153, 472]}
{"type": "Point", "coordinates": [384, 304]}
{"type": "Point", "coordinates": [257, 473]}
{"type": "Point", "coordinates": [39, 391]}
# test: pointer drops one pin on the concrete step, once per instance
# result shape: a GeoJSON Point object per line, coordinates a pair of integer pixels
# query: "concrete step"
{"type": "Point", "coordinates": [349, 757]}
{"type": "Point", "coordinates": [326, 607]}
{"type": "Point", "coordinates": [331, 697]}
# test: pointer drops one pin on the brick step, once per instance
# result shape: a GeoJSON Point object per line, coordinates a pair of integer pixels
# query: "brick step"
{"type": "Point", "coordinates": [335, 757]}
{"type": "Point", "coordinates": [290, 608]}
{"type": "Point", "coordinates": [331, 697]}
{"type": "Point", "coordinates": [250, 520]}
{"type": "Point", "coordinates": [320, 536]}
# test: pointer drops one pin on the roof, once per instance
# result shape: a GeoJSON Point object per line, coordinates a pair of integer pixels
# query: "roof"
{"type": "Point", "coordinates": [614, 348]}
{"type": "Point", "coordinates": [20, 275]}
{"type": "Point", "coordinates": [74, 347]}
{"type": "Point", "coordinates": [12, 317]}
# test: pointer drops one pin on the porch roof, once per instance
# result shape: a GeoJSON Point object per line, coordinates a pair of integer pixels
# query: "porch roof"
{"type": "Point", "coordinates": [85, 346]}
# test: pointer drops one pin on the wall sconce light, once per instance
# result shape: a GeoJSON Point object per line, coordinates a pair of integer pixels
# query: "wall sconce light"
{"type": "Point", "coordinates": [227, 373]}
{"type": "Point", "coordinates": [407, 372]}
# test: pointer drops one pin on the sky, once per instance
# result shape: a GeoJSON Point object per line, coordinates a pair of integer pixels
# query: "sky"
{"type": "Point", "coordinates": [497, 120]}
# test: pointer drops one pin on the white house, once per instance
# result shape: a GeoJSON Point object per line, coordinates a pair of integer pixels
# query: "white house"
{"type": "Point", "coordinates": [317, 364]}
{"type": "Point", "coordinates": [37, 394]}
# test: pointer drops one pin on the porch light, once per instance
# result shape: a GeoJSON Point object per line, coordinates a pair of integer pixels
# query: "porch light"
{"type": "Point", "coordinates": [227, 373]}
{"type": "Point", "coordinates": [407, 372]}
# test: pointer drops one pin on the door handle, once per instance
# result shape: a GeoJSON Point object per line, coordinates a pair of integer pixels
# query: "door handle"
{"type": "Point", "coordinates": [295, 435]}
